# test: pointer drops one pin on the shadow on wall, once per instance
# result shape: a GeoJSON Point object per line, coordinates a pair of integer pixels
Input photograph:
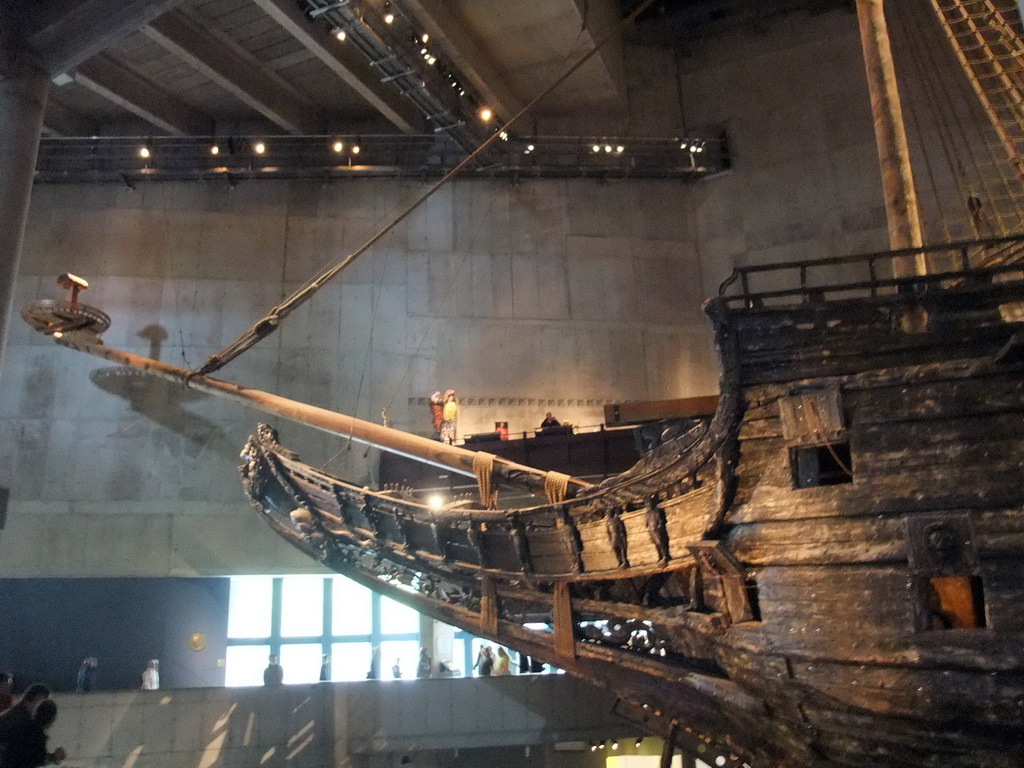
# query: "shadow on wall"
{"type": "Point", "coordinates": [162, 401]}
{"type": "Point", "coordinates": [210, 728]}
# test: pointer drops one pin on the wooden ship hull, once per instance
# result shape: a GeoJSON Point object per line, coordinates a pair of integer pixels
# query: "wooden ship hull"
{"type": "Point", "coordinates": [830, 568]}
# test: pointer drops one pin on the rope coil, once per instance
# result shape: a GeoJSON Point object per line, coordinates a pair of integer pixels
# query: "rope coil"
{"type": "Point", "coordinates": [483, 468]}
{"type": "Point", "coordinates": [556, 485]}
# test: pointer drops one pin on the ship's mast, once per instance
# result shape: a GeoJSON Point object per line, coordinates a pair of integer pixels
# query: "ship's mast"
{"type": "Point", "coordinates": [901, 210]}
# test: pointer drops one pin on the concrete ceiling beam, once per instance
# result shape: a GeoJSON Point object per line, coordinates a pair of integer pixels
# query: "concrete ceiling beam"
{"type": "Point", "coordinates": [130, 91]}
{"type": "Point", "coordinates": [64, 33]}
{"type": "Point", "coordinates": [232, 68]}
{"type": "Point", "coordinates": [60, 122]}
{"type": "Point", "coordinates": [448, 31]}
{"type": "Point", "coordinates": [346, 62]}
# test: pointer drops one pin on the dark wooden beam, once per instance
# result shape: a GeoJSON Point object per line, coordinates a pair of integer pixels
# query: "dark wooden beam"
{"type": "Point", "coordinates": [64, 34]}
{"type": "Point", "coordinates": [232, 68]}
{"type": "Point", "coordinates": [117, 83]}
{"type": "Point", "coordinates": [346, 62]}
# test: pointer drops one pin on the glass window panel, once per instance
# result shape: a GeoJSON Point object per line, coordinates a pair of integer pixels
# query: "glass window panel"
{"type": "Point", "coordinates": [249, 607]}
{"type": "Point", "coordinates": [405, 652]}
{"type": "Point", "coordinates": [244, 664]}
{"type": "Point", "coordinates": [352, 609]}
{"type": "Point", "coordinates": [301, 662]}
{"type": "Point", "coordinates": [302, 606]}
{"type": "Point", "coordinates": [350, 661]}
{"type": "Point", "coordinates": [397, 619]}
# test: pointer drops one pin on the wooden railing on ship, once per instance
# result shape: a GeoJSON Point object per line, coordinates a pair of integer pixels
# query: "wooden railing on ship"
{"type": "Point", "coordinates": [949, 265]}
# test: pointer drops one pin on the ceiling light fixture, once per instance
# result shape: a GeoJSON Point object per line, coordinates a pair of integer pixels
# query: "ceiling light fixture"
{"type": "Point", "coordinates": [620, 149]}
{"type": "Point", "coordinates": [486, 114]}
{"type": "Point", "coordinates": [424, 37]}
{"type": "Point", "coordinates": [596, 147]}
{"type": "Point", "coordinates": [340, 34]}
{"type": "Point", "coordinates": [338, 146]}
{"type": "Point", "coordinates": [214, 149]}
{"type": "Point", "coordinates": [355, 149]}
{"type": "Point", "coordinates": [259, 147]}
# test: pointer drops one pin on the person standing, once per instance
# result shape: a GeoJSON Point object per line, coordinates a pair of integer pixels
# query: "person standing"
{"type": "Point", "coordinates": [274, 673]}
{"type": "Point", "coordinates": [449, 413]}
{"type": "Point", "coordinates": [6, 685]}
{"type": "Point", "coordinates": [151, 676]}
{"type": "Point", "coordinates": [28, 749]}
{"type": "Point", "coordinates": [484, 662]}
{"type": "Point", "coordinates": [325, 668]}
{"type": "Point", "coordinates": [423, 668]}
{"type": "Point", "coordinates": [436, 412]}
{"type": "Point", "coordinates": [502, 662]}
{"type": "Point", "coordinates": [17, 721]}
{"type": "Point", "coordinates": [87, 675]}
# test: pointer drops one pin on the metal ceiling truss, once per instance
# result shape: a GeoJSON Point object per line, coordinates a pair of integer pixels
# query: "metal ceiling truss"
{"type": "Point", "coordinates": [424, 156]}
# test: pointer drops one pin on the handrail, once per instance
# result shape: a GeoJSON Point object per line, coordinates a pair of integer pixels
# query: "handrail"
{"type": "Point", "coordinates": [958, 250]}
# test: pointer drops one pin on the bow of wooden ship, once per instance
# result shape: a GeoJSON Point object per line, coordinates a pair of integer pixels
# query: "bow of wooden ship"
{"type": "Point", "coordinates": [831, 565]}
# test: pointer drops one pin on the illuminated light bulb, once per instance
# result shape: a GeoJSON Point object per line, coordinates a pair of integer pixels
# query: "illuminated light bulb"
{"type": "Point", "coordinates": [423, 51]}
{"type": "Point", "coordinates": [601, 745]}
{"type": "Point", "coordinates": [431, 60]}
{"type": "Point", "coordinates": [424, 37]}
{"type": "Point", "coordinates": [144, 152]}
{"type": "Point", "coordinates": [683, 145]}
{"type": "Point", "coordinates": [620, 149]}
{"type": "Point", "coordinates": [461, 92]}
{"type": "Point", "coordinates": [596, 147]}
{"type": "Point", "coordinates": [389, 18]}
{"type": "Point", "coordinates": [435, 502]}
{"type": "Point", "coordinates": [58, 335]}
{"type": "Point", "coordinates": [259, 147]}
{"type": "Point", "coordinates": [529, 147]}
{"type": "Point", "coordinates": [720, 760]}
{"type": "Point", "coordinates": [355, 149]}
{"type": "Point", "coordinates": [700, 149]}
{"type": "Point", "coordinates": [486, 114]}
{"type": "Point", "coordinates": [341, 35]}
{"type": "Point", "coordinates": [615, 745]}
{"type": "Point", "coordinates": [337, 146]}
{"type": "Point", "coordinates": [214, 149]}
{"type": "Point", "coordinates": [593, 747]}
{"type": "Point", "coordinates": [607, 147]}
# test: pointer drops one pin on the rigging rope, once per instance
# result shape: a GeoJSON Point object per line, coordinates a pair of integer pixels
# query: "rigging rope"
{"type": "Point", "coordinates": [483, 468]}
{"type": "Point", "coordinates": [556, 486]}
{"type": "Point", "coordinates": [269, 324]}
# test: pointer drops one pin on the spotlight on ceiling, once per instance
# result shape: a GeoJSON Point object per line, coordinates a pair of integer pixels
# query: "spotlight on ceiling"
{"type": "Point", "coordinates": [620, 149]}
{"type": "Point", "coordinates": [424, 37]}
{"type": "Point", "coordinates": [214, 149]}
{"type": "Point", "coordinates": [486, 114]}
{"type": "Point", "coordinates": [338, 146]}
{"type": "Point", "coordinates": [596, 148]}
{"type": "Point", "coordinates": [340, 34]}
{"type": "Point", "coordinates": [355, 149]}
{"type": "Point", "coordinates": [144, 151]}
{"type": "Point", "coordinates": [607, 147]}
{"type": "Point", "coordinates": [259, 147]}
{"type": "Point", "coordinates": [435, 502]}
{"type": "Point", "coordinates": [615, 745]}
{"type": "Point", "coordinates": [389, 15]}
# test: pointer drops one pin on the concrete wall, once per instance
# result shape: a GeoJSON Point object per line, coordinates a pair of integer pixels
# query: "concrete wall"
{"type": "Point", "coordinates": [50, 625]}
{"type": "Point", "coordinates": [544, 295]}
{"type": "Point", "coordinates": [333, 725]}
